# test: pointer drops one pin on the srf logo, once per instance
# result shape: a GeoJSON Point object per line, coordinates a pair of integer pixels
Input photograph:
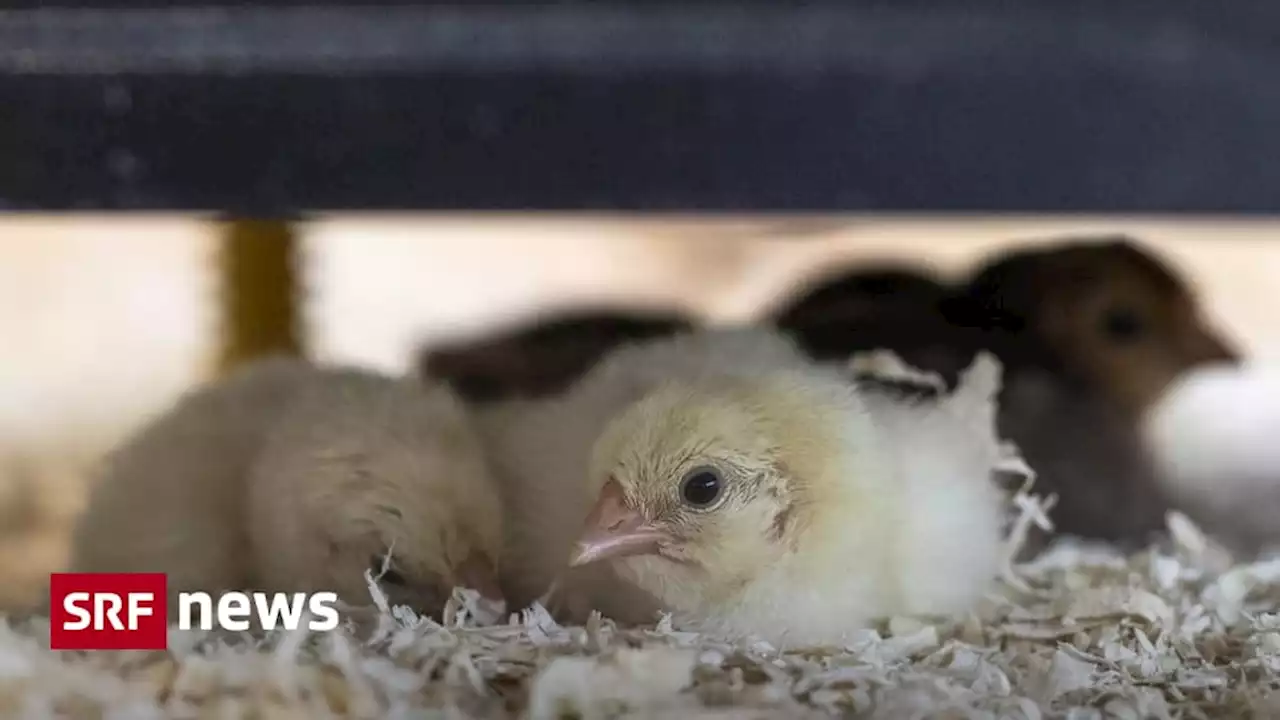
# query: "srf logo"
{"type": "Point", "coordinates": [108, 611]}
{"type": "Point", "coordinates": [129, 611]}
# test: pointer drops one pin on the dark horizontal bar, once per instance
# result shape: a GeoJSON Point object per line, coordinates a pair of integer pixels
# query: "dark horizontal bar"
{"type": "Point", "coordinates": [697, 106]}
{"type": "Point", "coordinates": [573, 37]}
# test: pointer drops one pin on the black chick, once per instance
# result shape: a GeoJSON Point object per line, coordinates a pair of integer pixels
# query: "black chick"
{"type": "Point", "coordinates": [542, 356]}
{"type": "Point", "coordinates": [894, 307]}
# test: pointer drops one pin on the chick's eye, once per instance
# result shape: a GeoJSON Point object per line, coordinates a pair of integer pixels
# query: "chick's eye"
{"type": "Point", "coordinates": [701, 487]}
{"type": "Point", "coordinates": [1121, 324]}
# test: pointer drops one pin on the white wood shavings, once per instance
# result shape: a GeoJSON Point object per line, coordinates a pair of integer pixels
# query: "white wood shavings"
{"type": "Point", "coordinates": [887, 365]}
{"type": "Point", "coordinates": [1200, 551]}
{"type": "Point", "coordinates": [1158, 634]}
{"type": "Point", "coordinates": [626, 681]}
{"type": "Point", "coordinates": [1228, 595]}
{"type": "Point", "coordinates": [1031, 510]}
{"type": "Point", "coordinates": [1080, 632]}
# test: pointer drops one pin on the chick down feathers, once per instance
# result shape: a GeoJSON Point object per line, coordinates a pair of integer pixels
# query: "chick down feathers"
{"type": "Point", "coordinates": [290, 477]}
{"type": "Point", "coordinates": [363, 471]}
{"type": "Point", "coordinates": [836, 502]}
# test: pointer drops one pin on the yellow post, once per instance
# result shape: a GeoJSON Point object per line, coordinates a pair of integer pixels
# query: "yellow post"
{"type": "Point", "coordinates": [260, 314]}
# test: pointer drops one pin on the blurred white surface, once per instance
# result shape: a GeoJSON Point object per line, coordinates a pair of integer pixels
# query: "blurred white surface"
{"type": "Point", "coordinates": [380, 287]}
{"type": "Point", "coordinates": [103, 322]}
{"type": "Point", "coordinates": [1214, 438]}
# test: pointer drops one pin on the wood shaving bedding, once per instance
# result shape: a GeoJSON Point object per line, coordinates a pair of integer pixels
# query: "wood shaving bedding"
{"type": "Point", "coordinates": [1081, 632]}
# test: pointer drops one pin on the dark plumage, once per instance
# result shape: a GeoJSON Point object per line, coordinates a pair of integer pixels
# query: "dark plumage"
{"type": "Point", "coordinates": [1091, 331]}
{"type": "Point", "coordinates": [895, 307]}
{"type": "Point", "coordinates": [1102, 314]}
{"type": "Point", "coordinates": [542, 356]}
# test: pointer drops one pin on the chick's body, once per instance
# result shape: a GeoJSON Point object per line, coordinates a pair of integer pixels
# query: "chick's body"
{"type": "Point", "coordinates": [1092, 331]}
{"type": "Point", "coordinates": [291, 477]}
{"type": "Point", "coordinates": [171, 499]}
{"type": "Point", "coordinates": [359, 467]}
{"type": "Point", "coordinates": [834, 504]}
{"type": "Point", "coordinates": [863, 309]}
{"type": "Point", "coordinates": [543, 355]}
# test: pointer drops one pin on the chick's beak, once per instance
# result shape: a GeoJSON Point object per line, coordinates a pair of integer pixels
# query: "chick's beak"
{"type": "Point", "coordinates": [614, 530]}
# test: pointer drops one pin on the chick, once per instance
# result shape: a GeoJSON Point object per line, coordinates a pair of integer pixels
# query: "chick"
{"type": "Point", "coordinates": [1092, 331]}
{"type": "Point", "coordinates": [538, 449]}
{"type": "Point", "coordinates": [889, 307]}
{"type": "Point", "coordinates": [1076, 443]}
{"type": "Point", "coordinates": [171, 498]}
{"type": "Point", "coordinates": [362, 471]}
{"type": "Point", "coordinates": [544, 355]}
{"type": "Point", "coordinates": [289, 477]}
{"type": "Point", "coordinates": [1090, 457]}
{"type": "Point", "coordinates": [1103, 315]}
{"type": "Point", "coordinates": [724, 477]}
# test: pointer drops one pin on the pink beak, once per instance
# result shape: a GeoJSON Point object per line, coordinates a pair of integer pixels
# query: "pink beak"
{"type": "Point", "coordinates": [613, 530]}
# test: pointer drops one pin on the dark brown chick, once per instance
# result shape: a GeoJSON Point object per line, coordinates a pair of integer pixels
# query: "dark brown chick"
{"type": "Point", "coordinates": [543, 355]}
{"type": "Point", "coordinates": [1091, 331]}
{"type": "Point", "coordinates": [1101, 314]}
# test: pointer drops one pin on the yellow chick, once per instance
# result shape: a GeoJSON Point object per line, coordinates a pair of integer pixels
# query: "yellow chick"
{"type": "Point", "coordinates": [727, 479]}
{"type": "Point", "coordinates": [289, 477]}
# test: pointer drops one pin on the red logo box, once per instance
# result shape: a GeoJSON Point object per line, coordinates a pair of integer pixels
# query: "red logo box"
{"type": "Point", "coordinates": [108, 611]}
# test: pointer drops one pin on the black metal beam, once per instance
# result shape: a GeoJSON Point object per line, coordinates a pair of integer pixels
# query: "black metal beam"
{"type": "Point", "coordinates": [905, 106]}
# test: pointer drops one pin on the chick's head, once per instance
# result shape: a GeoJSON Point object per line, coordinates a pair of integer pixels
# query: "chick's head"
{"type": "Point", "coordinates": [1104, 312]}
{"type": "Point", "coordinates": [703, 487]}
{"type": "Point", "coordinates": [418, 542]}
{"type": "Point", "coordinates": [368, 474]}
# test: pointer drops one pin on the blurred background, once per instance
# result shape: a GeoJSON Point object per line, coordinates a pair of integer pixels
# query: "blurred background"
{"type": "Point", "coordinates": [1152, 120]}
{"type": "Point", "coordinates": [107, 320]}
